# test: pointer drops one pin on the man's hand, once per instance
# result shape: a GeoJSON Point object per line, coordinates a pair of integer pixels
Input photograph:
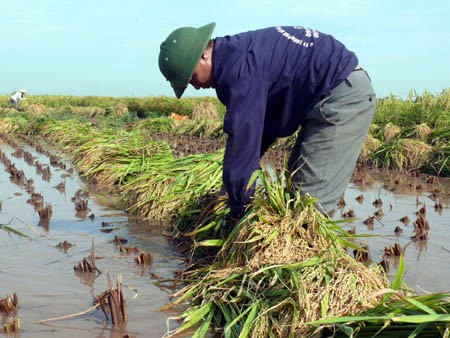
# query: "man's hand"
{"type": "Point", "coordinates": [237, 214]}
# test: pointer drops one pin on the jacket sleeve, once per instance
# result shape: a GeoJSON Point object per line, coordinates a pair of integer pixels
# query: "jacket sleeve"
{"type": "Point", "coordinates": [244, 125]}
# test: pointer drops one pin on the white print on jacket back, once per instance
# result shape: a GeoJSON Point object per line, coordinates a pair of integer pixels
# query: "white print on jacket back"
{"type": "Point", "coordinates": [308, 33]}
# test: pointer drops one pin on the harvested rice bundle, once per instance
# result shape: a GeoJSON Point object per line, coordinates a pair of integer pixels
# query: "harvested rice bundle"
{"type": "Point", "coordinates": [282, 266]}
{"type": "Point", "coordinates": [9, 125]}
{"type": "Point", "coordinates": [422, 131]}
{"type": "Point", "coordinates": [36, 109]}
{"type": "Point", "coordinates": [169, 184]}
{"type": "Point", "coordinates": [391, 131]}
{"type": "Point", "coordinates": [205, 110]}
{"type": "Point", "coordinates": [90, 111]}
{"type": "Point", "coordinates": [402, 153]}
{"type": "Point", "coordinates": [417, 153]}
{"type": "Point", "coordinates": [369, 147]}
{"type": "Point", "coordinates": [120, 110]}
{"type": "Point", "coordinates": [112, 160]}
{"type": "Point", "coordinates": [79, 133]}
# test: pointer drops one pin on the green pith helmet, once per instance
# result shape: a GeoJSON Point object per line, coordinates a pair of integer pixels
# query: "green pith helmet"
{"type": "Point", "coordinates": [180, 53]}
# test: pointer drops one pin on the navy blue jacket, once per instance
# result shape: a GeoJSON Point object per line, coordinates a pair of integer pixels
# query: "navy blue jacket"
{"type": "Point", "coordinates": [268, 79]}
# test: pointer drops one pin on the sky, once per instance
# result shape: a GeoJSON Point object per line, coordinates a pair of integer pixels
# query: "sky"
{"type": "Point", "coordinates": [111, 47]}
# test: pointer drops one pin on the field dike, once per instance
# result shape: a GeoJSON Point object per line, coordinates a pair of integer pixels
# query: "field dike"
{"type": "Point", "coordinates": [283, 271]}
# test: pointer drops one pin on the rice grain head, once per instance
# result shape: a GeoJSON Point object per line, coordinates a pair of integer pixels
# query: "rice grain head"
{"type": "Point", "coordinates": [205, 111]}
{"type": "Point", "coordinates": [36, 109]}
{"type": "Point", "coordinates": [12, 125]}
{"type": "Point", "coordinates": [369, 147]}
{"type": "Point", "coordinates": [267, 242]}
{"type": "Point", "coordinates": [416, 152]}
{"type": "Point", "coordinates": [391, 131]}
{"type": "Point", "coordinates": [120, 110]}
{"type": "Point", "coordinates": [423, 131]}
{"type": "Point", "coordinates": [374, 128]}
{"type": "Point", "coordinates": [87, 111]}
{"type": "Point", "coordinates": [6, 126]}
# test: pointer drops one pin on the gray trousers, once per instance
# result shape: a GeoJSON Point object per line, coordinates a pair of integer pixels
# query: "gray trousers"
{"type": "Point", "coordinates": [13, 102]}
{"type": "Point", "coordinates": [330, 139]}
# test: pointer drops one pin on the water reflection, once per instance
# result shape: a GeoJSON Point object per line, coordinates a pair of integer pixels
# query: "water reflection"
{"type": "Point", "coordinates": [409, 210]}
{"type": "Point", "coordinates": [42, 272]}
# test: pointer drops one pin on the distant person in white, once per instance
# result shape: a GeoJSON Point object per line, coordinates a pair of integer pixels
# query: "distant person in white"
{"type": "Point", "coordinates": [16, 97]}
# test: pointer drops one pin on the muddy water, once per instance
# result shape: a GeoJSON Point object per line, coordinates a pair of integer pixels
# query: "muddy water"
{"type": "Point", "coordinates": [47, 285]}
{"type": "Point", "coordinates": [427, 261]}
{"type": "Point", "coordinates": [43, 275]}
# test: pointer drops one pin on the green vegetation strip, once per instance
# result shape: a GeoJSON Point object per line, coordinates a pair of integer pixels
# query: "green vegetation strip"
{"type": "Point", "coordinates": [410, 134]}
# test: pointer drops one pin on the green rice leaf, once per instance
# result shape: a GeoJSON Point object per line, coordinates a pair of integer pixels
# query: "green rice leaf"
{"type": "Point", "coordinates": [310, 262]}
{"type": "Point", "coordinates": [229, 279]}
{"type": "Point", "coordinates": [324, 304]}
{"type": "Point", "coordinates": [280, 293]}
{"type": "Point", "coordinates": [194, 315]}
{"type": "Point", "coordinates": [255, 175]}
{"type": "Point", "coordinates": [192, 291]}
{"type": "Point", "coordinates": [272, 236]}
{"type": "Point", "coordinates": [249, 321]}
{"type": "Point", "coordinates": [294, 279]}
{"type": "Point", "coordinates": [199, 230]}
{"type": "Point", "coordinates": [236, 319]}
{"type": "Point", "coordinates": [398, 278]}
{"type": "Point", "coordinates": [414, 319]}
{"type": "Point", "coordinates": [211, 242]}
{"type": "Point", "coordinates": [12, 230]}
{"type": "Point", "coordinates": [204, 327]}
{"type": "Point", "coordinates": [421, 306]}
{"type": "Point", "coordinates": [346, 330]}
{"type": "Point", "coordinates": [418, 329]}
{"type": "Point", "coordinates": [418, 319]}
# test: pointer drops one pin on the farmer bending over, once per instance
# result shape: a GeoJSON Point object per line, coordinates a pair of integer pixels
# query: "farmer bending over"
{"type": "Point", "coordinates": [16, 97]}
{"type": "Point", "coordinates": [272, 81]}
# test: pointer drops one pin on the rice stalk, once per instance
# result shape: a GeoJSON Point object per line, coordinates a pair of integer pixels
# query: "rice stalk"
{"type": "Point", "coordinates": [284, 271]}
{"type": "Point", "coordinates": [205, 110]}
{"type": "Point", "coordinates": [113, 159]}
{"type": "Point", "coordinates": [391, 131]}
{"type": "Point", "coordinates": [369, 147]}
{"type": "Point", "coordinates": [409, 154]}
{"type": "Point", "coordinates": [10, 125]}
{"type": "Point", "coordinates": [440, 163]}
{"type": "Point", "coordinates": [8, 228]}
{"type": "Point", "coordinates": [169, 184]}
{"type": "Point", "coordinates": [283, 265]}
{"type": "Point", "coordinates": [423, 131]}
{"type": "Point", "coordinates": [417, 153]}
{"type": "Point", "coordinates": [421, 316]}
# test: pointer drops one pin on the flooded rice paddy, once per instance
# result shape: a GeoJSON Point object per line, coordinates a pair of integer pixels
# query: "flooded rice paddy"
{"type": "Point", "coordinates": [43, 276]}
{"type": "Point", "coordinates": [394, 200]}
